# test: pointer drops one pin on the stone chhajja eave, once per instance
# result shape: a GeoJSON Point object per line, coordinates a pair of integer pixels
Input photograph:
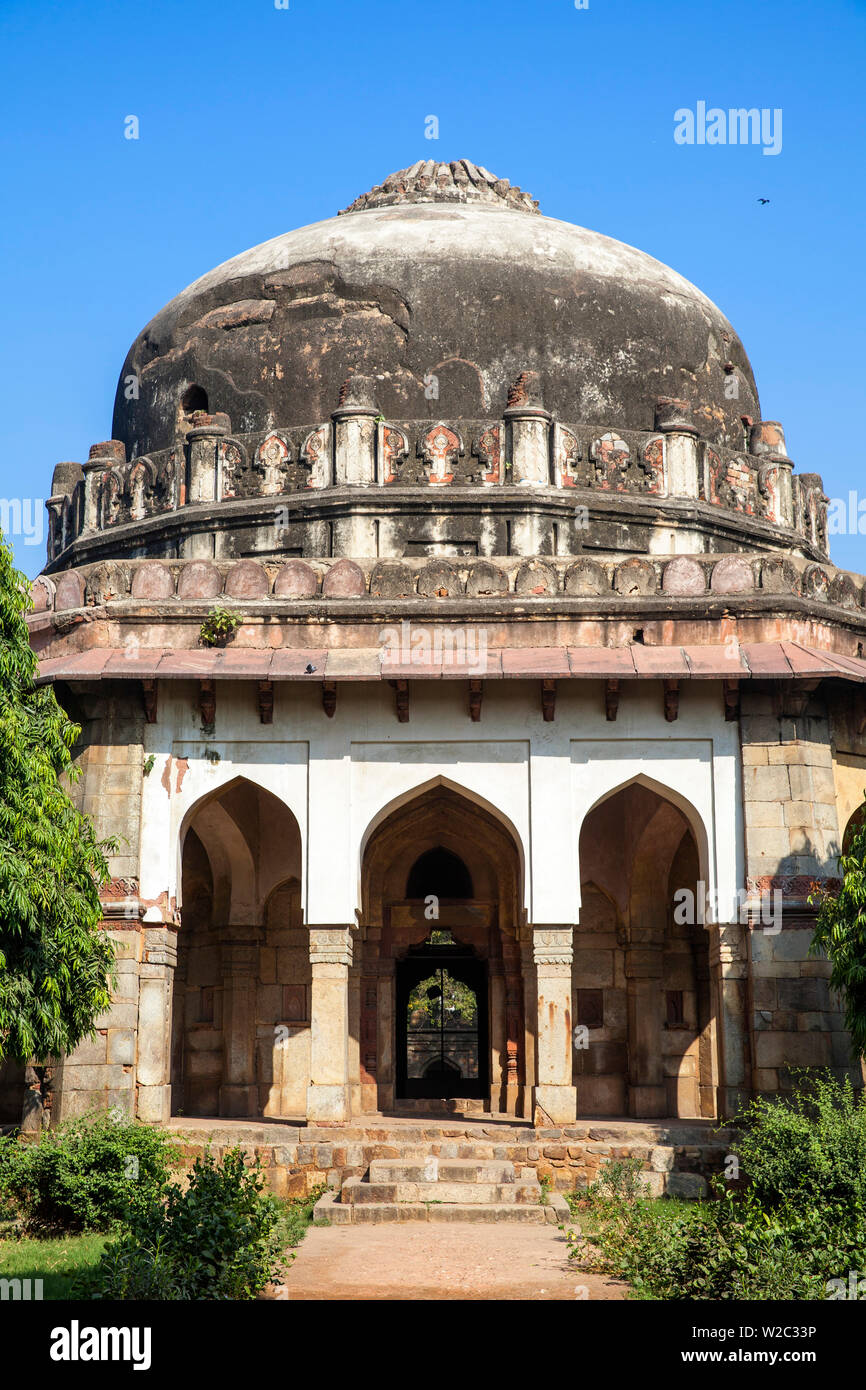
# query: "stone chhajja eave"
{"type": "Point", "coordinates": [783, 660]}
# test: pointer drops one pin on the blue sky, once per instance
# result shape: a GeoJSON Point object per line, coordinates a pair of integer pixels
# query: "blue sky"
{"type": "Point", "coordinates": [254, 120]}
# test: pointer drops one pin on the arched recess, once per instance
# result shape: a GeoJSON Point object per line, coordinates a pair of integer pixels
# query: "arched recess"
{"type": "Point", "coordinates": [642, 985]}
{"type": "Point", "coordinates": [241, 1006]}
{"type": "Point", "coordinates": [441, 822]}
{"type": "Point", "coordinates": [692, 816]}
{"type": "Point", "coordinates": [471, 798]}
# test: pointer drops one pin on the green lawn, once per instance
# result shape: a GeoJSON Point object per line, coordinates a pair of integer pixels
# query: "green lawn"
{"type": "Point", "coordinates": [58, 1260]}
{"type": "Point", "coordinates": [55, 1261]}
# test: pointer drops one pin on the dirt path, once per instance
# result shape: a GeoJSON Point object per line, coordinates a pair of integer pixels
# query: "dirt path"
{"type": "Point", "coordinates": [420, 1260]}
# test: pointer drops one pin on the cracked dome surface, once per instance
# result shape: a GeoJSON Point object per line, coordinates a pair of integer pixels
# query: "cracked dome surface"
{"type": "Point", "coordinates": [448, 275]}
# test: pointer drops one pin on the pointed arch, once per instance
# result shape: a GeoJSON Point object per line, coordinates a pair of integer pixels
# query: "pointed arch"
{"type": "Point", "coordinates": [413, 794]}
{"type": "Point", "coordinates": [701, 832]}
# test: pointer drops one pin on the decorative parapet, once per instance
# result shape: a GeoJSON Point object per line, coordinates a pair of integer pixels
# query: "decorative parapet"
{"type": "Point", "coordinates": [670, 578]}
{"type": "Point", "coordinates": [359, 453]}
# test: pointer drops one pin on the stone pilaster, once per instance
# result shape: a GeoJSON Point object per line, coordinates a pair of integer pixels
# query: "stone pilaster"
{"type": "Point", "coordinates": [102, 457]}
{"type": "Point", "coordinates": [729, 985]}
{"type": "Point", "coordinates": [156, 977]}
{"type": "Point", "coordinates": [555, 1094]}
{"type": "Point", "coordinates": [240, 967]}
{"type": "Point", "coordinates": [385, 970]}
{"type": "Point", "coordinates": [644, 971]}
{"type": "Point", "coordinates": [328, 1095]}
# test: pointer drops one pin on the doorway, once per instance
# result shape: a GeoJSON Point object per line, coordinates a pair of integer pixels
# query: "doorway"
{"type": "Point", "coordinates": [442, 1021]}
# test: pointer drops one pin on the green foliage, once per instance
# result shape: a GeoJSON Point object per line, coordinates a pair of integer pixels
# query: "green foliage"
{"type": "Point", "coordinates": [219, 626]}
{"type": "Point", "coordinates": [457, 999]}
{"type": "Point", "coordinates": [55, 963]}
{"type": "Point", "coordinates": [840, 933]}
{"type": "Point", "coordinates": [217, 1238]}
{"type": "Point", "coordinates": [88, 1174]}
{"type": "Point", "coordinates": [807, 1146]}
{"type": "Point", "coordinates": [799, 1222]}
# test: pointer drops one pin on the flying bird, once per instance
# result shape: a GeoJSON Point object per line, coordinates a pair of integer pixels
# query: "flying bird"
{"type": "Point", "coordinates": [763, 200]}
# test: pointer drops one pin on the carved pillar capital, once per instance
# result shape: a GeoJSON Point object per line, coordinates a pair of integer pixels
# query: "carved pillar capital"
{"type": "Point", "coordinates": [553, 946]}
{"type": "Point", "coordinates": [331, 946]}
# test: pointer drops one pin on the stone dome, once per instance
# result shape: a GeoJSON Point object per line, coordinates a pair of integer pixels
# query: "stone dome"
{"type": "Point", "coordinates": [443, 273]}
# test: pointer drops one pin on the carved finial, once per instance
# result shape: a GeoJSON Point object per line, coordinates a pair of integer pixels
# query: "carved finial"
{"type": "Point", "coordinates": [358, 392]}
{"type": "Point", "coordinates": [429, 181]}
{"type": "Point", "coordinates": [525, 391]}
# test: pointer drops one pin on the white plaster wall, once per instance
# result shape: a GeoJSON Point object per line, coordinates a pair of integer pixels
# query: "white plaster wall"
{"type": "Point", "coordinates": [341, 776]}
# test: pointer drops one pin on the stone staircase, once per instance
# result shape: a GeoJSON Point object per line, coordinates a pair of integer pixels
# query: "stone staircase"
{"type": "Point", "coordinates": [423, 1186]}
{"type": "Point", "coordinates": [463, 1167]}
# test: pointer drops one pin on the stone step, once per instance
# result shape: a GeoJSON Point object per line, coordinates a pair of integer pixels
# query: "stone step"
{"type": "Point", "coordinates": [441, 1169]}
{"type": "Point", "coordinates": [462, 1193]}
{"type": "Point", "coordinates": [448, 1211]}
{"type": "Point", "coordinates": [329, 1208]}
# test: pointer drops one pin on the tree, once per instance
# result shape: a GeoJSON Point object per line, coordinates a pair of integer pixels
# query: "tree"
{"type": "Point", "coordinates": [56, 966]}
{"type": "Point", "coordinates": [840, 933]}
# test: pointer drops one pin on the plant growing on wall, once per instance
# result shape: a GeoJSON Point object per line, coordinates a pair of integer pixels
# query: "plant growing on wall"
{"type": "Point", "coordinates": [840, 933]}
{"type": "Point", "coordinates": [219, 626]}
{"type": "Point", "coordinates": [55, 963]}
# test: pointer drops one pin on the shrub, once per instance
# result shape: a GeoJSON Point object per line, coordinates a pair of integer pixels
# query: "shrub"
{"type": "Point", "coordinates": [87, 1174]}
{"type": "Point", "coordinates": [216, 1239]}
{"type": "Point", "coordinates": [800, 1222]}
{"type": "Point", "coordinates": [807, 1147]}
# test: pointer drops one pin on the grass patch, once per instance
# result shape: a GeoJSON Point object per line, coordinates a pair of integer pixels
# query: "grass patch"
{"type": "Point", "coordinates": [56, 1261]}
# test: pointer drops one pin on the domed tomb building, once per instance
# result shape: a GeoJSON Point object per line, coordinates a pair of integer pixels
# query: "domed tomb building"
{"type": "Point", "coordinates": [538, 710]}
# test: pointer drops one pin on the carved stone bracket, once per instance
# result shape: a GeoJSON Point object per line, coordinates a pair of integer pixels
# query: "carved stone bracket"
{"type": "Point", "coordinates": [548, 700]}
{"type": "Point", "coordinates": [672, 700]}
{"type": "Point", "coordinates": [611, 699]}
{"type": "Point", "coordinates": [149, 695]}
{"type": "Point", "coordinates": [266, 701]}
{"type": "Point", "coordinates": [207, 701]}
{"type": "Point", "coordinates": [401, 700]}
{"type": "Point", "coordinates": [475, 695]}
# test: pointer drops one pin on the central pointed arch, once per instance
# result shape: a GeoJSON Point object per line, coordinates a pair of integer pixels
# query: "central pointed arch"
{"type": "Point", "coordinates": [441, 880]}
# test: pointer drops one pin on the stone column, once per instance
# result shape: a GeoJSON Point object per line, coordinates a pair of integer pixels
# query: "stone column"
{"type": "Point", "coordinates": [528, 432]}
{"type": "Point", "coordinates": [202, 469]}
{"type": "Point", "coordinates": [644, 970]}
{"type": "Point", "coordinates": [729, 977]}
{"type": "Point", "coordinates": [385, 1034]}
{"type": "Point", "coordinates": [355, 433]}
{"type": "Point", "coordinates": [673, 419]}
{"type": "Point", "coordinates": [355, 1106]}
{"type": "Point", "coordinates": [555, 1094]}
{"type": "Point", "coordinates": [767, 442]}
{"type": "Point", "coordinates": [155, 983]}
{"type": "Point", "coordinates": [529, 1025]}
{"type": "Point", "coordinates": [328, 1095]}
{"type": "Point", "coordinates": [239, 1092]}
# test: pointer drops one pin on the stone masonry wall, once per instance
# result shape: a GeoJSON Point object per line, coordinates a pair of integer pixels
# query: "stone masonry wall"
{"type": "Point", "coordinates": [791, 839]}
